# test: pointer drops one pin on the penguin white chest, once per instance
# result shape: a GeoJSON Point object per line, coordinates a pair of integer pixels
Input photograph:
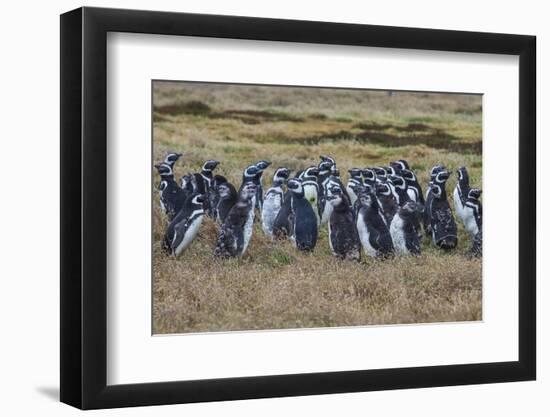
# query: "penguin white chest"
{"type": "Point", "coordinates": [364, 235]}
{"type": "Point", "coordinates": [190, 233]}
{"type": "Point", "coordinates": [469, 220]}
{"type": "Point", "coordinates": [398, 235]}
{"type": "Point", "coordinates": [270, 209]}
{"type": "Point", "coordinates": [459, 207]}
{"type": "Point", "coordinates": [247, 230]}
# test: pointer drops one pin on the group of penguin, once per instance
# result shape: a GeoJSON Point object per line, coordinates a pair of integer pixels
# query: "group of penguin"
{"type": "Point", "coordinates": [381, 211]}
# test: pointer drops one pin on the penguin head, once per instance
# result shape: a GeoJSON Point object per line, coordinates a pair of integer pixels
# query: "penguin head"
{"type": "Point", "coordinates": [281, 174]}
{"type": "Point", "coordinates": [171, 158]}
{"type": "Point", "coordinates": [324, 167]}
{"type": "Point", "coordinates": [262, 165]}
{"type": "Point", "coordinates": [436, 190]}
{"type": "Point", "coordinates": [380, 172]}
{"type": "Point", "coordinates": [398, 182]}
{"type": "Point", "coordinates": [474, 194]}
{"type": "Point", "coordinates": [365, 198]}
{"type": "Point", "coordinates": [462, 174]}
{"type": "Point", "coordinates": [198, 199]}
{"type": "Point", "coordinates": [250, 171]}
{"type": "Point", "coordinates": [400, 165]}
{"type": "Point", "coordinates": [164, 169]}
{"type": "Point", "coordinates": [409, 208]}
{"type": "Point", "coordinates": [357, 187]}
{"type": "Point", "coordinates": [248, 191]}
{"type": "Point", "coordinates": [437, 168]}
{"type": "Point", "coordinates": [310, 172]}
{"type": "Point", "coordinates": [326, 158]}
{"type": "Point", "coordinates": [408, 175]}
{"type": "Point", "coordinates": [368, 174]}
{"type": "Point", "coordinates": [335, 172]}
{"type": "Point", "coordinates": [223, 190]}
{"type": "Point", "coordinates": [295, 185]}
{"type": "Point", "coordinates": [335, 195]}
{"type": "Point", "coordinates": [218, 180]}
{"type": "Point", "coordinates": [354, 172]}
{"type": "Point", "coordinates": [441, 177]}
{"type": "Point", "coordinates": [185, 181]}
{"type": "Point", "coordinates": [383, 189]}
{"type": "Point", "coordinates": [210, 165]}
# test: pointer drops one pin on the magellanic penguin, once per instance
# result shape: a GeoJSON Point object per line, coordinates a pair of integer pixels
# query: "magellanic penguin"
{"type": "Point", "coordinates": [354, 180]}
{"type": "Point", "coordinates": [171, 158]}
{"type": "Point", "coordinates": [427, 201]}
{"type": "Point", "coordinates": [227, 196]}
{"type": "Point", "coordinates": [172, 197]}
{"type": "Point", "coordinates": [413, 186]}
{"type": "Point", "coordinates": [399, 188]}
{"type": "Point", "coordinates": [381, 174]}
{"type": "Point", "coordinates": [369, 177]}
{"type": "Point", "coordinates": [372, 227]}
{"type": "Point", "coordinates": [386, 201]}
{"type": "Point", "coordinates": [460, 193]}
{"type": "Point", "coordinates": [322, 180]}
{"type": "Point", "coordinates": [400, 165]}
{"type": "Point", "coordinates": [311, 189]}
{"type": "Point", "coordinates": [236, 230]}
{"type": "Point", "coordinates": [204, 179]}
{"type": "Point", "coordinates": [472, 212]}
{"type": "Point", "coordinates": [442, 223]}
{"type": "Point", "coordinates": [262, 166]}
{"type": "Point", "coordinates": [274, 199]}
{"type": "Point", "coordinates": [342, 232]}
{"type": "Point", "coordinates": [184, 227]}
{"type": "Point", "coordinates": [403, 230]}
{"type": "Point", "coordinates": [302, 218]}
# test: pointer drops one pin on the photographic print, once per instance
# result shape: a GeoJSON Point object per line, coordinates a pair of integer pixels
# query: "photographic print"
{"type": "Point", "coordinates": [284, 207]}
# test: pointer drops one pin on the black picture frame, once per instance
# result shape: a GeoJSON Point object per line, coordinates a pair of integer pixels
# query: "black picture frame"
{"type": "Point", "coordinates": [84, 207]}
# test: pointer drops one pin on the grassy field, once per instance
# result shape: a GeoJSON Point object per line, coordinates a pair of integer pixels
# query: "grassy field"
{"type": "Point", "coordinates": [273, 285]}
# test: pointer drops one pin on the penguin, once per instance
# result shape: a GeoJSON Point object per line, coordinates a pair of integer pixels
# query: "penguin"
{"type": "Point", "coordinates": [249, 176]}
{"type": "Point", "coordinates": [184, 227]}
{"type": "Point", "coordinates": [403, 230]}
{"type": "Point", "coordinates": [213, 194]}
{"type": "Point", "coordinates": [413, 186]}
{"type": "Point", "coordinates": [282, 226]}
{"type": "Point", "coordinates": [369, 177]}
{"type": "Point", "coordinates": [172, 197]}
{"type": "Point", "coordinates": [372, 227]}
{"type": "Point", "coordinates": [460, 193]}
{"type": "Point", "coordinates": [354, 180]}
{"type": "Point", "coordinates": [322, 177]}
{"type": "Point", "coordinates": [262, 166]}
{"type": "Point", "coordinates": [442, 223]}
{"type": "Point", "coordinates": [472, 212]}
{"type": "Point", "coordinates": [381, 174]}
{"type": "Point", "coordinates": [311, 189]}
{"type": "Point", "coordinates": [171, 158]}
{"type": "Point", "coordinates": [428, 199]}
{"type": "Point", "coordinates": [400, 165]}
{"type": "Point", "coordinates": [227, 196]}
{"type": "Point", "coordinates": [342, 232]}
{"type": "Point", "coordinates": [302, 218]}
{"type": "Point", "coordinates": [386, 201]}
{"type": "Point", "coordinates": [203, 180]}
{"type": "Point", "coordinates": [274, 199]}
{"type": "Point", "coordinates": [399, 189]}
{"type": "Point", "coordinates": [236, 230]}
{"type": "Point", "coordinates": [188, 183]}
{"type": "Point", "coordinates": [332, 181]}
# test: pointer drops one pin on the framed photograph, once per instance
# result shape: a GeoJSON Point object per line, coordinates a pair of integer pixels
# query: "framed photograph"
{"type": "Point", "coordinates": [258, 208]}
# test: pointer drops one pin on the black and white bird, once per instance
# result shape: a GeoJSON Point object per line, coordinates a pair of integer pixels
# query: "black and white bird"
{"type": "Point", "coordinates": [369, 177]}
{"type": "Point", "coordinates": [428, 199]}
{"type": "Point", "coordinates": [386, 201]}
{"type": "Point", "coordinates": [262, 166]}
{"type": "Point", "coordinates": [472, 218]}
{"type": "Point", "coordinates": [183, 229]}
{"type": "Point", "coordinates": [274, 200]}
{"type": "Point", "coordinates": [171, 158]}
{"type": "Point", "coordinates": [226, 197]}
{"type": "Point", "coordinates": [413, 186]}
{"type": "Point", "coordinates": [249, 176]}
{"type": "Point", "coordinates": [322, 180]}
{"type": "Point", "coordinates": [381, 174]}
{"type": "Point", "coordinates": [309, 177]}
{"type": "Point", "coordinates": [172, 197]}
{"type": "Point", "coordinates": [372, 227]}
{"type": "Point", "coordinates": [460, 193]}
{"type": "Point", "coordinates": [236, 231]}
{"type": "Point", "coordinates": [342, 232]}
{"type": "Point", "coordinates": [403, 230]}
{"type": "Point", "coordinates": [203, 181]}
{"type": "Point", "coordinates": [442, 223]}
{"type": "Point", "coordinates": [355, 179]}
{"type": "Point", "coordinates": [302, 218]}
{"type": "Point", "coordinates": [399, 188]}
{"type": "Point", "coordinates": [399, 165]}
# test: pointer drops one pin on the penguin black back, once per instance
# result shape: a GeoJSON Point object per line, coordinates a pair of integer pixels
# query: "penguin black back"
{"type": "Point", "coordinates": [303, 219]}
{"type": "Point", "coordinates": [343, 237]}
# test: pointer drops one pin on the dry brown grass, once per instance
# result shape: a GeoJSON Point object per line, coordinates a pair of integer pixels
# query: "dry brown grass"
{"type": "Point", "coordinates": [273, 285]}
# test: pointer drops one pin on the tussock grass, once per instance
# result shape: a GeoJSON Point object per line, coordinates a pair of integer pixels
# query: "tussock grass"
{"type": "Point", "coordinates": [274, 286]}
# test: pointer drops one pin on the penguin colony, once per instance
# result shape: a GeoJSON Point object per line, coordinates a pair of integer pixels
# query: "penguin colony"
{"type": "Point", "coordinates": [380, 212]}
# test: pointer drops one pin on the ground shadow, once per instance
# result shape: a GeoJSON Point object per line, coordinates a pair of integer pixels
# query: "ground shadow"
{"type": "Point", "coordinates": [49, 392]}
